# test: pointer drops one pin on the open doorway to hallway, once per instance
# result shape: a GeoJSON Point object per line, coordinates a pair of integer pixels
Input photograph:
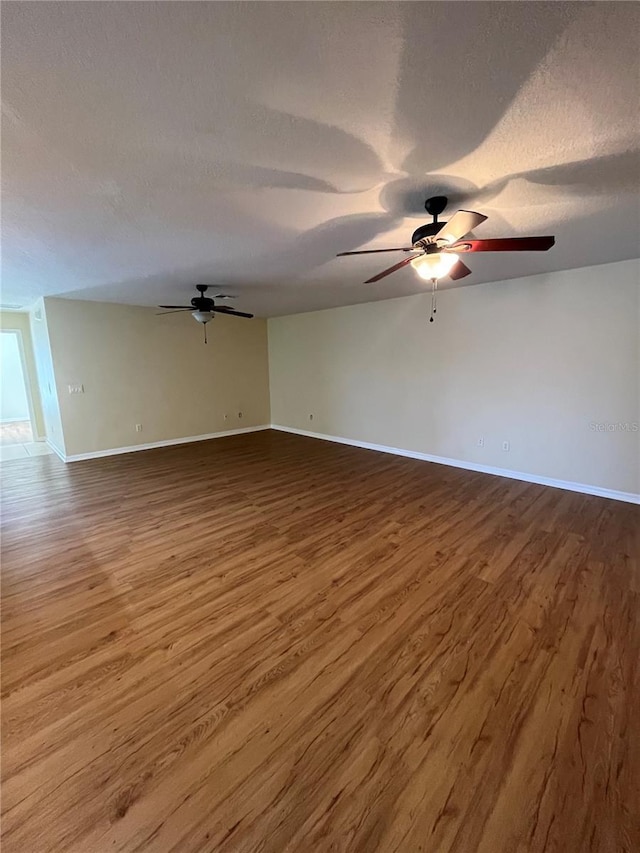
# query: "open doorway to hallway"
{"type": "Point", "coordinates": [17, 434]}
{"type": "Point", "coordinates": [15, 408]}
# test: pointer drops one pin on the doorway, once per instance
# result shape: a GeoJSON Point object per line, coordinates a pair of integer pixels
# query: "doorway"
{"type": "Point", "coordinates": [17, 433]}
{"type": "Point", "coordinates": [16, 425]}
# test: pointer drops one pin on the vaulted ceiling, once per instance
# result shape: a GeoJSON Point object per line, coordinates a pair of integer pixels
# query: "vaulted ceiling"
{"type": "Point", "coordinates": [150, 146]}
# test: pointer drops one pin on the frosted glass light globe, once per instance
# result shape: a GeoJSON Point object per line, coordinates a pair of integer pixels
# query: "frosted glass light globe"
{"type": "Point", "coordinates": [202, 316]}
{"type": "Point", "coordinates": [435, 265]}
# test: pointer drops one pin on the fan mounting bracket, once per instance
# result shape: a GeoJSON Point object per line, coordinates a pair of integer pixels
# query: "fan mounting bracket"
{"type": "Point", "coordinates": [202, 288]}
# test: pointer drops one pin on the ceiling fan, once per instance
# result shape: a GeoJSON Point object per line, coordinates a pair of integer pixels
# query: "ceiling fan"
{"type": "Point", "coordinates": [436, 246]}
{"type": "Point", "coordinates": [203, 308]}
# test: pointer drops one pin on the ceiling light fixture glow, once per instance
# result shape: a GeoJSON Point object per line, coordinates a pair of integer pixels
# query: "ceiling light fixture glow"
{"type": "Point", "coordinates": [435, 265]}
{"type": "Point", "coordinates": [202, 316]}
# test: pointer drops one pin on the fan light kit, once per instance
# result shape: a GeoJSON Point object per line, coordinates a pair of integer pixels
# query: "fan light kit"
{"type": "Point", "coordinates": [433, 266]}
{"type": "Point", "coordinates": [202, 316]}
{"type": "Point", "coordinates": [203, 308]}
{"type": "Point", "coordinates": [436, 246]}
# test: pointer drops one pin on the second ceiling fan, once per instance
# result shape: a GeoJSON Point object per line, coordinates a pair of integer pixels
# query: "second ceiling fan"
{"type": "Point", "coordinates": [436, 246]}
{"type": "Point", "coordinates": [203, 308]}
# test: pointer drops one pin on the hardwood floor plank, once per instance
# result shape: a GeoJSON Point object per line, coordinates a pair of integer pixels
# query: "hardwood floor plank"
{"type": "Point", "coordinates": [271, 643]}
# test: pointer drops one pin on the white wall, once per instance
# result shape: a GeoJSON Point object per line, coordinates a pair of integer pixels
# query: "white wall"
{"type": "Point", "coordinates": [140, 368]}
{"type": "Point", "coordinates": [46, 377]}
{"type": "Point", "coordinates": [535, 361]}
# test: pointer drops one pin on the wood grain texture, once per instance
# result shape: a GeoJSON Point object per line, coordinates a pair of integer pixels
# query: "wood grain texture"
{"type": "Point", "coordinates": [271, 643]}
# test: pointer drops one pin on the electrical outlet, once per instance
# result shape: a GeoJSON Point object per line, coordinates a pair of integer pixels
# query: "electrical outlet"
{"type": "Point", "coordinates": [239, 414]}
{"type": "Point", "coordinates": [76, 389]}
{"type": "Point", "coordinates": [226, 417]}
{"type": "Point", "coordinates": [506, 446]}
{"type": "Point", "coordinates": [310, 417]}
{"type": "Point", "coordinates": [138, 427]}
{"type": "Point", "coordinates": [481, 442]}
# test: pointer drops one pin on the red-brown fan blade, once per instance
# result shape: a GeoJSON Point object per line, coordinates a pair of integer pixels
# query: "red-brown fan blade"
{"type": "Point", "coordinates": [460, 224]}
{"type": "Point", "coordinates": [460, 270]}
{"type": "Point", "coordinates": [394, 268]}
{"type": "Point", "coordinates": [505, 244]}
{"type": "Point", "coordinates": [375, 251]}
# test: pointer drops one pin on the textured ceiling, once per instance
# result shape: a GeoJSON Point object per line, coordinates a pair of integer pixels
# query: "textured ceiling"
{"type": "Point", "coordinates": [150, 146]}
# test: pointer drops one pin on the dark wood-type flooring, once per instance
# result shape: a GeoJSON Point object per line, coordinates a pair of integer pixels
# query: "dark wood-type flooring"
{"type": "Point", "coordinates": [271, 643]}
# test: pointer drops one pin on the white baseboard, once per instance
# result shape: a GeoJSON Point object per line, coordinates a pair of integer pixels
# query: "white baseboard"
{"type": "Point", "coordinates": [583, 488]}
{"type": "Point", "coordinates": [56, 449]}
{"type": "Point", "coordinates": [116, 451]}
{"type": "Point", "coordinates": [598, 491]}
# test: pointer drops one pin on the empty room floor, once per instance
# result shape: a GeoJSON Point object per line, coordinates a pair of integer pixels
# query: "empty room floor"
{"type": "Point", "coordinates": [9, 452]}
{"type": "Point", "coordinates": [16, 442]}
{"type": "Point", "coordinates": [271, 643]}
{"type": "Point", "coordinates": [15, 432]}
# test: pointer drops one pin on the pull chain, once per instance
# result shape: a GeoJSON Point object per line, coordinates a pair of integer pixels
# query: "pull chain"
{"type": "Point", "coordinates": [434, 294]}
{"type": "Point", "coordinates": [205, 332]}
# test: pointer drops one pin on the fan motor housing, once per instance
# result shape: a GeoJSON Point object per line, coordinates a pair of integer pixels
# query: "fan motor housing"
{"type": "Point", "coordinates": [425, 231]}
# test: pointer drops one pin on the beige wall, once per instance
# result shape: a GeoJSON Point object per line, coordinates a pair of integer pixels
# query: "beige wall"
{"type": "Point", "coordinates": [140, 368]}
{"type": "Point", "coordinates": [18, 320]}
{"type": "Point", "coordinates": [533, 361]}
